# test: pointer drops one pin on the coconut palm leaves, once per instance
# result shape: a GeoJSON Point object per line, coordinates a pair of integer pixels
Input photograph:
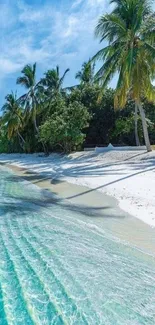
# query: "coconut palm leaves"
{"type": "Point", "coordinates": [29, 100]}
{"type": "Point", "coordinates": [28, 78]}
{"type": "Point", "coordinates": [130, 32]}
{"type": "Point", "coordinates": [86, 74]}
{"type": "Point", "coordinates": [13, 118]}
{"type": "Point", "coordinates": [53, 82]}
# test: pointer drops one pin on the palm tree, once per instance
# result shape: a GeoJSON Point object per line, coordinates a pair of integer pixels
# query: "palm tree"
{"type": "Point", "coordinates": [29, 100]}
{"type": "Point", "coordinates": [13, 118]}
{"type": "Point", "coordinates": [53, 82]}
{"type": "Point", "coordinates": [130, 32]}
{"type": "Point", "coordinates": [86, 75]}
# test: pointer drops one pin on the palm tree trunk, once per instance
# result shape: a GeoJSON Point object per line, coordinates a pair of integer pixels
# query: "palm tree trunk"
{"type": "Point", "coordinates": [145, 129]}
{"type": "Point", "coordinates": [20, 136]}
{"type": "Point", "coordinates": [37, 131]}
{"type": "Point", "coordinates": [35, 125]}
{"type": "Point", "coordinates": [22, 142]}
{"type": "Point", "coordinates": [136, 126]}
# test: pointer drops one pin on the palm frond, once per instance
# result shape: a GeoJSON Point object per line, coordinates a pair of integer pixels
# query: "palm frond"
{"type": "Point", "coordinates": [109, 26]}
{"type": "Point", "coordinates": [23, 81]}
{"type": "Point", "coordinates": [63, 77]}
{"type": "Point", "coordinates": [130, 31]}
{"type": "Point", "coordinates": [28, 76]}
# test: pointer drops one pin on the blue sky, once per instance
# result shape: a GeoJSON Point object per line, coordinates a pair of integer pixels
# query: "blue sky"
{"type": "Point", "coordinates": [48, 32]}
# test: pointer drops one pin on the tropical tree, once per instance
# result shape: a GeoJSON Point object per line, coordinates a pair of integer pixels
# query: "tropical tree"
{"type": "Point", "coordinates": [130, 32]}
{"type": "Point", "coordinates": [86, 74]}
{"type": "Point", "coordinates": [64, 127]}
{"type": "Point", "coordinates": [29, 100]}
{"type": "Point", "coordinates": [13, 118]}
{"type": "Point", "coordinates": [53, 82]}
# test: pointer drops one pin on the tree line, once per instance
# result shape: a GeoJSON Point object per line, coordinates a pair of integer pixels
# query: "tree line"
{"type": "Point", "coordinates": [51, 117]}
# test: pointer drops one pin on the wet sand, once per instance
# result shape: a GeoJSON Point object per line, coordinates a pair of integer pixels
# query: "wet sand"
{"type": "Point", "coordinates": [99, 209]}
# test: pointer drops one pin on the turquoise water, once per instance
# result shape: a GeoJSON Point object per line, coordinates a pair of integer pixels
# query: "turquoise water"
{"type": "Point", "coordinates": [57, 269]}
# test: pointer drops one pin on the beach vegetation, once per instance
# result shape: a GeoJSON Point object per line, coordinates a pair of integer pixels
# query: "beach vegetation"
{"type": "Point", "coordinates": [49, 116]}
{"type": "Point", "coordinates": [130, 33]}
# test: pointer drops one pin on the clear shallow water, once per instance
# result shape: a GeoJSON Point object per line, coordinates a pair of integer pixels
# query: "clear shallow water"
{"type": "Point", "coordinates": [57, 269]}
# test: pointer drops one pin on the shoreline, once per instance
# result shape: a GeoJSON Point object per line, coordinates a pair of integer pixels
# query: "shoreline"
{"type": "Point", "coordinates": [127, 176]}
{"type": "Point", "coordinates": [99, 209]}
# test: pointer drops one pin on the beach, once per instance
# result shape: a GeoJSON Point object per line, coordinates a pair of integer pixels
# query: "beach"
{"type": "Point", "coordinates": [100, 211]}
{"type": "Point", "coordinates": [127, 176]}
{"type": "Point", "coordinates": [62, 253]}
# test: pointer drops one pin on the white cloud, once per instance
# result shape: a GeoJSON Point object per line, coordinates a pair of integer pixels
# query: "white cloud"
{"type": "Point", "coordinates": [48, 35]}
{"type": "Point", "coordinates": [71, 27]}
{"type": "Point", "coordinates": [33, 55]}
{"type": "Point", "coordinates": [77, 3]}
{"type": "Point", "coordinates": [29, 14]}
{"type": "Point", "coordinates": [7, 66]}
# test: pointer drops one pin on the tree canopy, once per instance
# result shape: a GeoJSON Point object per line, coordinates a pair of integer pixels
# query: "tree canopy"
{"type": "Point", "coordinates": [52, 117]}
{"type": "Point", "coordinates": [130, 32]}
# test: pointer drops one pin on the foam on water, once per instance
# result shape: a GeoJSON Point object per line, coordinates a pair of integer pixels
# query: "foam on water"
{"type": "Point", "coordinates": [57, 269]}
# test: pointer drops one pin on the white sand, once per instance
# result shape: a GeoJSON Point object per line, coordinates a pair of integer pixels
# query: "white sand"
{"type": "Point", "coordinates": [129, 176]}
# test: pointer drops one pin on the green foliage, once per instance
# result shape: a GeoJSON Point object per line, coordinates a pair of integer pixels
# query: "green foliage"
{"type": "Point", "coordinates": [63, 129]}
{"type": "Point", "coordinates": [150, 114]}
{"type": "Point", "coordinates": [28, 77]}
{"type": "Point", "coordinates": [4, 142]}
{"type": "Point", "coordinates": [51, 117]}
{"type": "Point", "coordinates": [101, 109]}
{"type": "Point", "coordinates": [129, 30]}
{"type": "Point", "coordinates": [8, 145]}
{"type": "Point", "coordinates": [123, 131]}
{"type": "Point", "coordinates": [52, 83]}
{"type": "Point", "coordinates": [86, 75]}
{"type": "Point", "coordinates": [103, 118]}
{"type": "Point", "coordinates": [66, 120]}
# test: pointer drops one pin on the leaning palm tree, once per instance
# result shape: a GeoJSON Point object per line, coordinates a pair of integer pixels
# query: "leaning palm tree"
{"type": "Point", "coordinates": [13, 118]}
{"type": "Point", "coordinates": [29, 100]}
{"type": "Point", "coordinates": [130, 32]}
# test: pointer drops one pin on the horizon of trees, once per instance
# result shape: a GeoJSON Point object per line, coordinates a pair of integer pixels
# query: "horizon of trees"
{"type": "Point", "coordinates": [50, 117]}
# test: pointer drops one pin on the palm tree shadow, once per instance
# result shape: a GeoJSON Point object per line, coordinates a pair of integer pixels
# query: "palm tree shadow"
{"type": "Point", "coordinates": [78, 171]}
{"type": "Point", "coordinates": [21, 205]}
{"type": "Point", "coordinates": [110, 183]}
